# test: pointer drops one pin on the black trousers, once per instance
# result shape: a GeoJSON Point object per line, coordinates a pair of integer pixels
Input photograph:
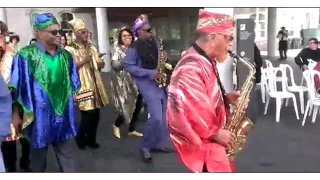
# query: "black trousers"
{"type": "Point", "coordinates": [132, 126]}
{"type": "Point", "coordinates": [283, 48]}
{"type": "Point", "coordinates": [87, 133]}
{"type": "Point", "coordinates": [9, 152]}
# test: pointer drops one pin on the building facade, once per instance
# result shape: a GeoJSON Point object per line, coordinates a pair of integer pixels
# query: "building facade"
{"type": "Point", "coordinates": [175, 25]}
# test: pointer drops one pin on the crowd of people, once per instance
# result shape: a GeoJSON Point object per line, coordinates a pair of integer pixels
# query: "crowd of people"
{"type": "Point", "coordinates": [41, 82]}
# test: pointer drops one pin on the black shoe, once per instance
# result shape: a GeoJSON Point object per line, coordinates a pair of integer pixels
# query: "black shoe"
{"type": "Point", "coordinates": [94, 145]}
{"type": "Point", "coordinates": [26, 170]}
{"type": "Point", "coordinates": [161, 150]}
{"type": "Point", "coordinates": [80, 144]}
{"type": "Point", "coordinates": [146, 156]}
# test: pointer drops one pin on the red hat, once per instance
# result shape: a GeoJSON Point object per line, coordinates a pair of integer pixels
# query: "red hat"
{"type": "Point", "coordinates": [214, 22]}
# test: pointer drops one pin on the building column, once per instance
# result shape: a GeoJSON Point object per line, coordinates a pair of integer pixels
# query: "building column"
{"type": "Point", "coordinates": [3, 15]}
{"type": "Point", "coordinates": [103, 36]}
{"type": "Point", "coordinates": [272, 32]}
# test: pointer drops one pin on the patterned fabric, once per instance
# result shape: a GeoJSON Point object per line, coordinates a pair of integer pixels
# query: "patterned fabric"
{"type": "Point", "coordinates": [34, 84]}
{"type": "Point", "coordinates": [77, 24]}
{"type": "Point", "coordinates": [191, 123]}
{"type": "Point", "coordinates": [139, 22]}
{"type": "Point", "coordinates": [42, 20]}
{"type": "Point", "coordinates": [90, 75]}
{"type": "Point", "coordinates": [123, 90]}
{"type": "Point", "coordinates": [214, 22]}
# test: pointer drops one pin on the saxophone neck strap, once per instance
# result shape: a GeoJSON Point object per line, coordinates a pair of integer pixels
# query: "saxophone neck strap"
{"type": "Point", "coordinates": [223, 92]}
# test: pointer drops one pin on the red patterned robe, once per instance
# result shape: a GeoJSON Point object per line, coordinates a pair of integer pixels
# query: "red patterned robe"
{"type": "Point", "coordinates": [195, 112]}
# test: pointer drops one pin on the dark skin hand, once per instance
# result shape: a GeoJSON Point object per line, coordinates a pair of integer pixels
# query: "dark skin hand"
{"type": "Point", "coordinates": [16, 120]}
{"type": "Point", "coordinates": [86, 60]}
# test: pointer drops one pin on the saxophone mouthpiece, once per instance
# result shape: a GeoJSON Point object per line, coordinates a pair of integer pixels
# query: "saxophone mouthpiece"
{"type": "Point", "coordinates": [233, 55]}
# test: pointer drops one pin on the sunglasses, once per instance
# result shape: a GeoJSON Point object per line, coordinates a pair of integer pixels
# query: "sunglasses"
{"type": "Point", "coordinates": [147, 30]}
{"type": "Point", "coordinates": [56, 32]}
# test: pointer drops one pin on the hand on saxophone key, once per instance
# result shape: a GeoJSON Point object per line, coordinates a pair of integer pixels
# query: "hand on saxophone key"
{"type": "Point", "coordinates": [225, 138]}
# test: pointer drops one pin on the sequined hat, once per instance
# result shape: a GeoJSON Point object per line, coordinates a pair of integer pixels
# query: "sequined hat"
{"type": "Point", "coordinates": [139, 22]}
{"type": "Point", "coordinates": [215, 22]}
{"type": "Point", "coordinates": [42, 20]}
{"type": "Point", "coordinates": [77, 24]}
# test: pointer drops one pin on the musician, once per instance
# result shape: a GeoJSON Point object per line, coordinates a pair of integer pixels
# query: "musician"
{"type": "Point", "coordinates": [124, 93]}
{"type": "Point", "coordinates": [43, 80]}
{"type": "Point", "coordinates": [196, 128]}
{"type": "Point", "coordinates": [89, 65]}
{"type": "Point", "coordinates": [311, 52]}
{"type": "Point", "coordinates": [141, 62]}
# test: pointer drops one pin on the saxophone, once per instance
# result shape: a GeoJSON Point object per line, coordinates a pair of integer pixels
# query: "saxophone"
{"type": "Point", "coordinates": [239, 123]}
{"type": "Point", "coordinates": [164, 69]}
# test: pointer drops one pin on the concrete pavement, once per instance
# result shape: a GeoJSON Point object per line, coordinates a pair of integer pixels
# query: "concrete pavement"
{"type": "Point", "coordinates": [272, 147]}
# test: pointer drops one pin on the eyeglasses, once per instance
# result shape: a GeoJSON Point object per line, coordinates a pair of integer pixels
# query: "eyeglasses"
{"type": "Point", "coordinates": [84, 32]}
{"type": "Point", "coordinates": [147, 30]}
{"type": "Point", "coordinates": [227, 37]}
{"type": "Point", "coordinates": [56, 32]}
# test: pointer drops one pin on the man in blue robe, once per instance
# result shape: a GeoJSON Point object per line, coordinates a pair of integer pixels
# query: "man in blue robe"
{"type": "Point", "coordinates": [43, 80]}
{"type": "Point", "coordinates": [141, 62]}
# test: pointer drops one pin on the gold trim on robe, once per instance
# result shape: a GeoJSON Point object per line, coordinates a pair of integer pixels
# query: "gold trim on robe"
{"type": "Point", "coordinates": [90, 76]}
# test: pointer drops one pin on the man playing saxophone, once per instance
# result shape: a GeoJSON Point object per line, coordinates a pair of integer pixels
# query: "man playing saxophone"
{"type": "Point", "coordinates": [141, 61]}
{"type": "Point", "coordinates": [198, 105]}
{"type": "Point", "coordinates": [89, 64]}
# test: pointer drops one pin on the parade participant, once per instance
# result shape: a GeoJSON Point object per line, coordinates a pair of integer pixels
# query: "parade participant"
{"type": "Point", "coordinates": [196, 128]}
{"type": "Point", "coordinates": [5, 96]}
{"type": "Point", "coordinates": [43, 80]}
{"type": "Point", "coordinates": [124, 93]}
{"type": "Point", "coordinates": [141, 62]}
{"type": "Point", "coordinates": [9, 147]}
{"type": "Point", "coordinates": [89, 65]}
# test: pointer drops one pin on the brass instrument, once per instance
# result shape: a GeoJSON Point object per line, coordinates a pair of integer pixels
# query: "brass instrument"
{"type": "Point", "coordinates": [239, 123]}
{"type": "Point", "coordinates": [164, 68]}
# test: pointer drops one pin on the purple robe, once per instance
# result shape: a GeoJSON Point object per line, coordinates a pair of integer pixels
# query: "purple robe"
{"type": "Point", "coordinates": [155, 99]}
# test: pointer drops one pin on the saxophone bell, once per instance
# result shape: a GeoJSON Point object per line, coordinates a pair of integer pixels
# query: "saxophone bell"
{"type": "Point", "coordinates": [239, 123]}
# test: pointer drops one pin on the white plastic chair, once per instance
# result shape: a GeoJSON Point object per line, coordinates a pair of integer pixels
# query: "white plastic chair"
{"type": "Point", "coordinates": [314, 101]}
{"type": "Point", "coordinates": [312, 64]}
{"type": "Point", "coordinates": [270, 66]}
{"type": "Point", "coordinates": [263, 84]}
{"type": "Point", "coordinates": [293, 87]}
{"type": "Point", "coordinates": [272, 92]}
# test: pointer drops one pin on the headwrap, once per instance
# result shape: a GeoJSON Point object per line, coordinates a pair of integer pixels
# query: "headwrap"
{"type": "Point", "coordinates": [77, 24]}
{"type": "Point", "coordinates": [214, 22]}
{"type": "Point", "coordinates": [42, 20]}
{"type": "Point", "coordinates": [139, 22]}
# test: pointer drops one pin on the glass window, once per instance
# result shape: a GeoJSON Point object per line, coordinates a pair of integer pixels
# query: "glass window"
{"type": "Point", "coordinates": [66, 17]}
